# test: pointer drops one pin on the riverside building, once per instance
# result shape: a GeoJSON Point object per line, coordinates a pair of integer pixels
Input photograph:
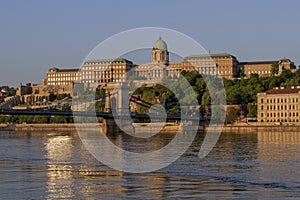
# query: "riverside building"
{"type": "Point", "coordinates": [279, 105]}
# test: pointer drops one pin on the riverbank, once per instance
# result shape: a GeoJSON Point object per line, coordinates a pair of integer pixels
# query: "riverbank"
{"type": "Point", "coordinates": [259, 128]}
{"type": "Point", "coordinates": [74, 127]}
{"type": "Point", "coordinates": [44, 127]}
{"type": "Point", "coordinates": [253, 127]}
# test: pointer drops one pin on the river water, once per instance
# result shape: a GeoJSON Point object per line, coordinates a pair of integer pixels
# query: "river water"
{"type": "Point", "coordinates": [260, 165]}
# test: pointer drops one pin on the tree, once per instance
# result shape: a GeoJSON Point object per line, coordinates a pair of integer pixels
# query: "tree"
{"type": "Point", "coordinates": [52, 97]}
{"type": "Point", "coordinates": [234, 95]}
{"type": "Point", "coordinates": [41, 119]}
{"type": "Point", "coordinates": [232, 115]}
{"type": "Point", "coordinates": [199, 87]}
{"type": "Point", "coordinates": [62, 96]}
{"type": "Point", "coordinates": [59, 119]}
{"type": "Point", "coordinates": [275, 68]}
{"type": "Point", "coordinates": [252, 110]}
{"type": "Point", "coordinates": [285, 75]}
{"type": "Point", "coordinates": [11, 91]}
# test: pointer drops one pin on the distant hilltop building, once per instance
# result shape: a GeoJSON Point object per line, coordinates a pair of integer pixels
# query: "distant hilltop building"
{"type": "Point", "coordinates": [95, 72]}
{"type": "Point", "coordinates": [264, 68]}
{"type": "Point", "coordinates": [101, 71]}
{"type": "Point", "coordinates": [56, 76]}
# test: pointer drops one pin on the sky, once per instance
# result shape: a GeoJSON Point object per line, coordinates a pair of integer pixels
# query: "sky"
{"type": "Point", "coordinates": [36, 35]}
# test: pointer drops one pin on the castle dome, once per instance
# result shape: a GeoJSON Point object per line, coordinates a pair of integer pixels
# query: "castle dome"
{"type": "Point", "coordinates": [160, 45]}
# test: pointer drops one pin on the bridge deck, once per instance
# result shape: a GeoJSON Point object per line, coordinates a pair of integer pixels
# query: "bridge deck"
{"type": "Point", "coordinates": [97, 114]}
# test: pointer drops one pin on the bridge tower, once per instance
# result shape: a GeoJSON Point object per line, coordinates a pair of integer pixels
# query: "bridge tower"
{"type": "Point", "coordinates": [117, 102]}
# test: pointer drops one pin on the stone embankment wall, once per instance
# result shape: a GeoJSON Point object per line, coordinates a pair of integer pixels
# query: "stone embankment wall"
{"type": "Point", "coordinates": [70, 127]}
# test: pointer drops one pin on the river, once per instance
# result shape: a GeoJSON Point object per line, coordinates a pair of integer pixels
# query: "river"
{"type": "Point", "coordinates": [258, 165]}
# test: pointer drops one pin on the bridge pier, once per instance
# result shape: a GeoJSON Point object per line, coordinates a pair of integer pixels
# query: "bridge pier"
{"type": "Point", "coordinates": [109, 126]}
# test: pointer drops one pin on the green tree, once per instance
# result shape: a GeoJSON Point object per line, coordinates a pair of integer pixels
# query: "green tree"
{"type": "Point", "coordinates": [275, 68]}
{"type": "Point", "coordinates": [252, 110]}
{"type": "Point", "coordinates": [232, 115]}
{"type": "Point", "coordinates": [62, 96]}
{"type": "Point", "coordinates": [41, 119]}
{"type": "Point", "coordinates": [11, 91]}
{"type": "Point", "coordinates": [285, 75]}
{"type": "Point", "coordinates": [59, 119]}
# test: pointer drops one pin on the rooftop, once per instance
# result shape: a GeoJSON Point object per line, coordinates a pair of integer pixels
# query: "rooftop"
{"type": "Point", "coordinates": [69, 70]}
{"type": "Point", "coordinates": [55, 69]}
{"type": "Point", "coordinates": [210, 55]}
{"type": "Point", "coordinates": [257, 62]}
{"type": "Point", "coordinates": [284, 90]}
{"type": "Point", "coordinates": [108, 60]}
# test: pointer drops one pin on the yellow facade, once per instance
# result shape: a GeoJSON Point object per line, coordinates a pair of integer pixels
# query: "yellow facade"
{"type": "Point", "coordinates": [57, 76]}
{"type": "Point", "coordinates": [279, 105]}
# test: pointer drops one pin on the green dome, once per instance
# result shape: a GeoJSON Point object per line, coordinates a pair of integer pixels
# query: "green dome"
{"type": "Point", "coordinates": [160, 44]}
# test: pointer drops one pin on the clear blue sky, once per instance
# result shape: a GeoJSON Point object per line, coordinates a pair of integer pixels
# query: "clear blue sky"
{"type": "Point", "coordinates": [37, 35]}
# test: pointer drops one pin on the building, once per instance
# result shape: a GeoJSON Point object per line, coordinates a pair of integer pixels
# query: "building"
{"type": "Point", "coordinates": [225, 65]}
{"type": "Point", "coordinates": [41, 94]}
{"type": "Point", "coordinates": [101, 71]}
{"type": "Point", "coordinates": [264, 68]}
{"type": "Point", "coordinates": [56, 76]}
{"type": "Point", "coordinates": [158, 68]}
{"type": "Point", "coordinates": [279, 105]}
